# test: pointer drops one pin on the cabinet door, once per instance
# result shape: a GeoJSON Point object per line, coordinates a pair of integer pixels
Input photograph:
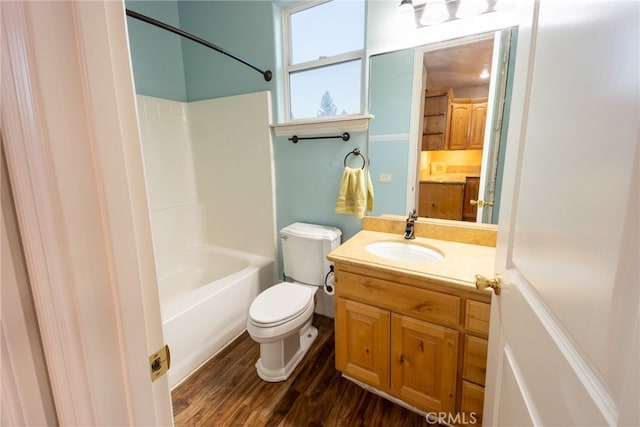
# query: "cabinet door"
{"type": "Point", "coordinates": [459, 128]}
{"type": "Point", "coordinates": [423, 363]}
{"type": "Point", "coordinates": [441, 200]}
{"type": "Point", "coordinates": [477, 125]}
{"type": "Point", "coordinates": [471, 190]}
{"type": "Point", "coordinates": [362, 342]}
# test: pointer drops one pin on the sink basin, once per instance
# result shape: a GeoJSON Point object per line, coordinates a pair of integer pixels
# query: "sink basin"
{"type": "Point", "coordinates": [401, 251]}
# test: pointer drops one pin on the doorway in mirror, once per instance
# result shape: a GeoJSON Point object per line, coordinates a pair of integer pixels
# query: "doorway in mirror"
{"type": "Point", "coordinates": [463, 102]}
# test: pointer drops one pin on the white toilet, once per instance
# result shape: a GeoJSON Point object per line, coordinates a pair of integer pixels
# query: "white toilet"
{"type": "Point", "coordinates": [280, 317]}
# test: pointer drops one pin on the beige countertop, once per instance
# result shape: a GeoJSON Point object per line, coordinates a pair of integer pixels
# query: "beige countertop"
{"type": "Point", "coordinates": [461, 262]}
{"type": "Point", "coordinates": [448, 177]}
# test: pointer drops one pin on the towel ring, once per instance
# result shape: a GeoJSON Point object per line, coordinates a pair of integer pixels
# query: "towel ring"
{"type": "Point", "coordinates": [355, 152]}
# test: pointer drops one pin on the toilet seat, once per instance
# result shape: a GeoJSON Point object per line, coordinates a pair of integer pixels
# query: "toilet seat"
{"type": "Point", "coordinates": [280, 304]}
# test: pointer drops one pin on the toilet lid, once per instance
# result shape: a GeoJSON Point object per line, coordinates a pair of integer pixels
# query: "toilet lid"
{"type": "Point", "coordinates": [280, 303]}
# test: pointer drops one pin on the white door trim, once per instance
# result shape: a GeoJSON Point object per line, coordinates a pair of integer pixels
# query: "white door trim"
{"type": "Point", "coordinates": [73, 154]}
{"type": "Point", "coordinates": [38, 215]}
{"type": "Point", "coordinates": [511, 178]}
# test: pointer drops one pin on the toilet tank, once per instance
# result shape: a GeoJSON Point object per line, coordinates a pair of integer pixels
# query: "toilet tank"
{"type": "Point", "coordinates": [304, 251]}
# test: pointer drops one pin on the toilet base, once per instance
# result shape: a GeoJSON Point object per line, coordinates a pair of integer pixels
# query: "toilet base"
{"type": "Point", "coordinates": [279, 359]}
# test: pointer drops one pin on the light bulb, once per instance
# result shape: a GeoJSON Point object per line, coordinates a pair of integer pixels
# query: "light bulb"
{"type": "Point", "coordinates": [435, 12]}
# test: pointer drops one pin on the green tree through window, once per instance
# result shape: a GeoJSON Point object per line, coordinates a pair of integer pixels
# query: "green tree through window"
{"type": "Point", "coordinates": [327, 107]}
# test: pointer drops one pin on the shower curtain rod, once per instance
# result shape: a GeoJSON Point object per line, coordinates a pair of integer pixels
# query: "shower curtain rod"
{"type": "Point", "coordinates": [266, 74]}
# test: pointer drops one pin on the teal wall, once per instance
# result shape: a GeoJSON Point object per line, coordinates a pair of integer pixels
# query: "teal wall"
{"type": "Point", "coordinates": [307, 180]}
{"type": "Point", "coordinates": [156, 54]}
{"type": "Point", "coordinates": [307, 174]}
{"type": "Point", "coordinates": [244, 28]}
{"type": "Point", "coordinates": [391, 84]}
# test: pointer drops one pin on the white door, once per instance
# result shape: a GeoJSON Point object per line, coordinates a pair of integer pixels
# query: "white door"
{"type": "Point", "coordinates": [564, 331]}
{"type": "Point", "coordinates": [74, 163]}
{"type": "Point", "coordinates": [493, 128]}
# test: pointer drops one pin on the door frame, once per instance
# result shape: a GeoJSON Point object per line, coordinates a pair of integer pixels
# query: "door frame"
{"type": "Point", "coordinates": [513, 155]}
{"type": "Point", "coordinates": [417, 102]}
{"type": "Point", "coordinates": [74, 160]}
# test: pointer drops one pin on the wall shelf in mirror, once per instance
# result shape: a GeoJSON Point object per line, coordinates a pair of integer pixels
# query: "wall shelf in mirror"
{"type": "Point", "coordinates": [435, 128]}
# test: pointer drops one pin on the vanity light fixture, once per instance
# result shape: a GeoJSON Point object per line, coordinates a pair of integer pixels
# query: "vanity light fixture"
{"type": "Point", "coordinates": [406, 6]}
{"type": "Point", "coordinates": [432, 12]}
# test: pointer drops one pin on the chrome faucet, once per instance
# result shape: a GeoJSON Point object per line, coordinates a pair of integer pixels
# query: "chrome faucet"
{"type": "Point", "coordinates": [408, 231]}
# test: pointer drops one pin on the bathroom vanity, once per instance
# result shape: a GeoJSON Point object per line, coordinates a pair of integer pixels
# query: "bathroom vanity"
{"type": "Point", "coordinates": [416, 332]}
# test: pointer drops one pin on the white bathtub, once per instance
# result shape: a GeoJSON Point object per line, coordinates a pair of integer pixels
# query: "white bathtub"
{"type": "Point", "coordinates": [205, 294]}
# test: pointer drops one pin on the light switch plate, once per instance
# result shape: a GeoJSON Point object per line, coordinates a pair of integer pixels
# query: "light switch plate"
{"type": "Point", "coordinates": [384, 177]}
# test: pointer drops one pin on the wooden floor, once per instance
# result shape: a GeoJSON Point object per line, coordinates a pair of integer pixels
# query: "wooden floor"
{"type": "Point", "coordinates": [227, 391]}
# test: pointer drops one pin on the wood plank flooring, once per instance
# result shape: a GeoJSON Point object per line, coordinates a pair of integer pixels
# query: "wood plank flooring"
{"type": "Point", "coordinates": [227, 391]}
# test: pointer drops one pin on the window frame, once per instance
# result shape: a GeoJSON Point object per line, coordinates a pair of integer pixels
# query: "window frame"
{"type": "Point", "coordinates": [288, 69]}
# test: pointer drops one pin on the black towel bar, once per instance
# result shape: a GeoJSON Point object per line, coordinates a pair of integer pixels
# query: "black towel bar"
{"type": "Point", "coordinates": [345, 137]}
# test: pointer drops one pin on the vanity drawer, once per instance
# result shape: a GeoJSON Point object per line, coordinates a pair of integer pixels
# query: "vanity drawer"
{"type": "Point", "coordinates": [433, 142]}
{"type": "Point", "coordinates": [412, 301]}
{"type": "Point", "coordinates": [434, 124]}
{"type": "Point", "coordinates": [474, 367]}
{"type": "Point", "coordinates": [472, 401]}
{"type": "Point", "coordinates": [477, 317]}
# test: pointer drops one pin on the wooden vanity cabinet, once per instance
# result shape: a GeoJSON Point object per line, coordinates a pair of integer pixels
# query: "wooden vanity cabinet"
{"type": "Point", "coordinates": [423, 343]}
{"type": "Point", "coordinates": [471, 191]}
{"type": "Point", "coordinates": [442, 200]}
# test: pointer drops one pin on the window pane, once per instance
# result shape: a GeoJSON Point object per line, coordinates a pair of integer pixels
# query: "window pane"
{"type": "Point", "coordinates": [327, 29]}
{"type": "Point", "coordinates": [309, 89]}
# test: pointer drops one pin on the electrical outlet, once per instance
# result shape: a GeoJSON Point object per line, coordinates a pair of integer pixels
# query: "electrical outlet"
{"type": "Point", "coordinates": [384, 177]}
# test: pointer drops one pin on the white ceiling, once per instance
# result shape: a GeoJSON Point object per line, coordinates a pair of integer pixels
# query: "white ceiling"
{"type": "Point", "coordinates": [459, 66]}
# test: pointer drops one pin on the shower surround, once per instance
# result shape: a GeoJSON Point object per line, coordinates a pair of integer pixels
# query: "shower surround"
{"type": "Point", "coordinates": [209, 172]}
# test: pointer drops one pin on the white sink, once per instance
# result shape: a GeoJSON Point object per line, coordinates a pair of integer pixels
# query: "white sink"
{"type": "Point", "coordinates": [401, 251]}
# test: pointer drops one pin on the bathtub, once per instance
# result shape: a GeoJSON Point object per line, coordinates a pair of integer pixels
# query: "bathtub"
{"type": "Point", "coordinates": [205, 294]}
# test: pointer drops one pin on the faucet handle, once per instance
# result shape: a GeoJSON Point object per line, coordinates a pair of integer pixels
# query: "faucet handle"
{"type": "Point", "coordinates": [413, 214]}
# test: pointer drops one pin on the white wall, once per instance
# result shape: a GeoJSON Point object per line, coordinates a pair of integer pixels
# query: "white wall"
{"type": "Point", "coordinates": [209, 172]}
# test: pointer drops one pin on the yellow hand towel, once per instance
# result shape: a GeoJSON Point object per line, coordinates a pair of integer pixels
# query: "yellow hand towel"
{"type": "Point", "coordinates": [356, 192]}
{"type": "Point", "coordinates": [369, 192]}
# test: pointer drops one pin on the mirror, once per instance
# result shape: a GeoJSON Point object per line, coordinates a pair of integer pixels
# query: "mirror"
{"type": "Point", "coordinates": [454, 129]}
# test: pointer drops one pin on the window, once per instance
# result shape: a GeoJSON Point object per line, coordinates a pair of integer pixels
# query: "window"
{"type": "Point", "coordinates": [324, 57]}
